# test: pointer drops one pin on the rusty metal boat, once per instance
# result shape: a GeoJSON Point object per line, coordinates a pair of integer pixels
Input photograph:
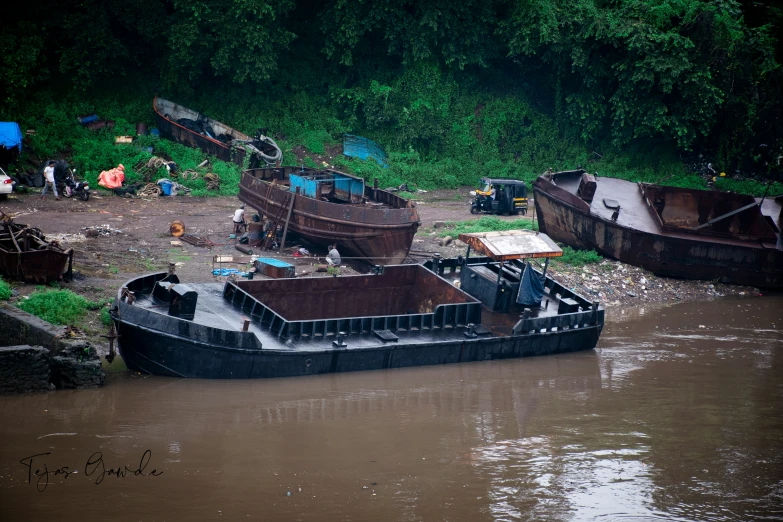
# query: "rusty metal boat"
{"type": "Point", "coordinates": [326, 206]}
{"type": "Point", "coordinates": [25, 254]}
{"type": "Point", "coordinates": [192, 128]}
{"type": "Point", "coordinates": [675, 232]}
{"type": "Point", "coordinates": [397, 316]}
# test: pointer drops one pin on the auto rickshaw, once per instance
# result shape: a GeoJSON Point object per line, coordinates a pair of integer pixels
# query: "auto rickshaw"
{"type": "Point", "coordinates": [500, 196]}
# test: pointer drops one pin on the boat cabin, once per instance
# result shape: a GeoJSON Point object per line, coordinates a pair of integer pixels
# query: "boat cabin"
{"type": "Point", "coordinates": [498, 283]}
{"type": "Point", "coordinates": [327, 185]}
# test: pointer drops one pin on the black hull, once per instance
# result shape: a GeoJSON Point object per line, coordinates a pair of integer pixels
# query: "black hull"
{"type": "Point", "coordinates": [157, 353]}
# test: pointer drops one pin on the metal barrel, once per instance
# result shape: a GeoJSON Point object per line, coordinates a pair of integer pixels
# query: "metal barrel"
{"type": "Point", "coordinates": [255, 233]}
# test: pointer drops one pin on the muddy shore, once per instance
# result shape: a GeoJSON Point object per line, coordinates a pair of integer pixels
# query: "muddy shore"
{"type": "Point", "coordinates": [115, 239]}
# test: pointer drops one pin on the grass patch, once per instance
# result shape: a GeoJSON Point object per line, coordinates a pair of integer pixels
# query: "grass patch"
{"type": "Point", "coordinates": [105, 316]}
{"type": "Point", "coordinates": [486, 224]}
{"type": "Point", "coordinates": [575, 257]}
{"type": "Point", "coordinates": [5, 290]}
{"type": "Point", "coordinates": [57, 306]}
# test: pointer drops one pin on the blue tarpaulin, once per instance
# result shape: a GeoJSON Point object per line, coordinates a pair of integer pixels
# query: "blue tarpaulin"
{"type": "Point", "coordinates": [10, 135]}
{"type": "Point", "coordinates": [531, 288]}
{"type": "Point", "coordinates": [363, 148]}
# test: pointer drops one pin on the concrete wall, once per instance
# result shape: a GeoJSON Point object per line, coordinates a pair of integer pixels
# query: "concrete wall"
{"type": "Point", "coordinates": [34, 355]}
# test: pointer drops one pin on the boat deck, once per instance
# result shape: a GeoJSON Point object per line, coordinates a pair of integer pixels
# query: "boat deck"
{"type": "Point", "coordinates": [635, 214]}
{"type": "Point", "coordinates": [214, 311]}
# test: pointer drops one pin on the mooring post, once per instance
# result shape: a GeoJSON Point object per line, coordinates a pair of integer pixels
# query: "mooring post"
{"type": "Point", "coordinates": [595, 312]}
{"type": "Point", "coordinates": [245, 324]}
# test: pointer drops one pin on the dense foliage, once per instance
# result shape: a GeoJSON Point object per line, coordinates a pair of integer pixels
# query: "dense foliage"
{"type": "Point", "coordinates": [452, 90]}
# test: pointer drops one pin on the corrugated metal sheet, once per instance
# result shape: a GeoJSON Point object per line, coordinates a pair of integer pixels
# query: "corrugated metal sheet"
{"type": "Point", "coordinates": [363, 148]}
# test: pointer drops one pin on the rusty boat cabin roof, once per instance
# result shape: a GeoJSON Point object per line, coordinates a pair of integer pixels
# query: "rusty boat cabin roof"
{"type": "Point", "coordinates": [649, 207]}
{"type": "Point", "coordinates": [511, 244]}
{"type": "Point", "coordinates": [400, 315]}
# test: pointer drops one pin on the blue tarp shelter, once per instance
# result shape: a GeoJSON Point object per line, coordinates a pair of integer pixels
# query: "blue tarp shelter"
{"type": "Point", "coordinates": [10, 135]}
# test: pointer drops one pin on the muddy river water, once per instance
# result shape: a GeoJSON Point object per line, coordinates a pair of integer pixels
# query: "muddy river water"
{"type": "Point", "coordinates": [678, 415]}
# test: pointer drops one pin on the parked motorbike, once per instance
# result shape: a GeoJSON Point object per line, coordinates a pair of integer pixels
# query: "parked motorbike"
{"type": "Point", "coordinates": [75, 188]}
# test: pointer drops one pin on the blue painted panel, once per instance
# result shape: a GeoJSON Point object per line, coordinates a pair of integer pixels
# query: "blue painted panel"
{"type": "Point", "coordinates": [305, 185]}
{"type": "Point", "coordinates": [346, 185]}
{"type": "Point", "coordinates": [274, 262]}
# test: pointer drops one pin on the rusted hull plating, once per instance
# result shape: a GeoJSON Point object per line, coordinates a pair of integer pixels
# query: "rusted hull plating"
{"type": "Point", "coordinates": [380, 236]}
{"type": "Point", "coordinates": [176, 132]}
{"type": "Point", "coordinates": [26, 255]}
{"type": "Point", "coordinates": [42, 266]}
{"type": "Point", "coordinates": [566, 218]}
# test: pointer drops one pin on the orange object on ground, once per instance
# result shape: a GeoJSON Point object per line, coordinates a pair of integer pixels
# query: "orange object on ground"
{"type": "Point", "coordinates": [112, 179]}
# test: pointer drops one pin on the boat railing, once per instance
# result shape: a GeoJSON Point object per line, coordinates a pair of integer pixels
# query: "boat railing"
{"type": "Point", "coordinates": [443, 317]}
{"type": "Point", "coordinates": [592, 317]}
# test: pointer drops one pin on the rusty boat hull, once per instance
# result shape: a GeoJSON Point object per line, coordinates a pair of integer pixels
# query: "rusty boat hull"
{"type": "Point", "coordinates": [379, 231]}
{"type": "Point", "coordinates": [27, 256]}
{"type": "Point", "coordinates": [167, 113]}
{"type": "Point", "coordinates": [665, 230]}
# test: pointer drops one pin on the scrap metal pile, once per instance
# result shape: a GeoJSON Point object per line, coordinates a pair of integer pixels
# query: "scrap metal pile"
{"type": "Point", "coordinates": [26, 254]}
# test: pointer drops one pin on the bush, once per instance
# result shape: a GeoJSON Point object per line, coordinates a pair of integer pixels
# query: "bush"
{"type": "Point", "coordinates": [57, 306]}
{"type": "Point", "coordinates": [486, 224]}
{"type": "Point", "coordinates": [578, 257]}
{"type": "Point", "coordinates": [5, 290]}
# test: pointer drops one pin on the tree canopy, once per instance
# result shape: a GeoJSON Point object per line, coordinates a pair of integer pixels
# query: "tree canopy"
{"type": "Point", "coordinates": [690, 73]}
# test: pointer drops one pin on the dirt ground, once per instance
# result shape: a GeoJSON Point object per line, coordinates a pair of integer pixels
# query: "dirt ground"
{"type": "Point", "coordinates": [115, 239]}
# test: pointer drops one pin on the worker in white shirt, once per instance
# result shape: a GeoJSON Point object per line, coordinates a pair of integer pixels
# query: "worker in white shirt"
{"type": "Point", "coordinates": [49, 181]}
{"type": "Point", "coordinates": [239, 219]}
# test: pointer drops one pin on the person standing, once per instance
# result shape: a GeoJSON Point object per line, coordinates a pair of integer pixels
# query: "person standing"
{"type": "Point", "coordinates": [333, 257]}
{"type": "Point", "coordinates": [49, 181]}
{"type": "Point", "coordinates": [239, 219]}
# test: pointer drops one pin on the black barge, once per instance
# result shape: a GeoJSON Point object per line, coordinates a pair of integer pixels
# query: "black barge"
{"type": "Point", "coordinates": [496, 306]}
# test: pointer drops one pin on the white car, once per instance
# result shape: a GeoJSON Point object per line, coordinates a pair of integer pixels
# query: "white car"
{"type": "Point", "coordinates": [6, 184]}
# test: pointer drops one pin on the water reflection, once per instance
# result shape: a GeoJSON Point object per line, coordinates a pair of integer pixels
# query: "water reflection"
{"type": "Point", "coordinates": [677, 415]}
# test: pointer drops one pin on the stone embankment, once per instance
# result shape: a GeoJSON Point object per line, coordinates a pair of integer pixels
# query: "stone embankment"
{"type": "Point", "coordinates": [36, 355]}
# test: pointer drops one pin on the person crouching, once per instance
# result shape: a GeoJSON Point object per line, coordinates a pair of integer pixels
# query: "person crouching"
{"type": "Point", "coordinates": [333, 257]}
{"type": "Point", "coordinates": [239, 219]}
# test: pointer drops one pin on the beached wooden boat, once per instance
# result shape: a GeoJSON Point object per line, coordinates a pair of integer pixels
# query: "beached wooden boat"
{"type": "Point", "coordinates": [327, 206]}
{"type": "Point", "coordinates": [670, 231]}
{"type": "Point", "coordinates": [25, 254]}
{"type": "Point", "coordinates": [192, 128]}
{"type": "Point", "coordinates": [403, 315]}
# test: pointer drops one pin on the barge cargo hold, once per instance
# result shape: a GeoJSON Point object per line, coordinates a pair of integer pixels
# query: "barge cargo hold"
{"type": "Point", "coordinates": [192, 128]}
{"type": "Point", "coordinates": [399, 316]}
{"type": "Point", "coordinates": [326, 206]}
{"type": "Point", "coordinates": [675, 232]}
{"type": "Point", "coordinates": [25, 254]}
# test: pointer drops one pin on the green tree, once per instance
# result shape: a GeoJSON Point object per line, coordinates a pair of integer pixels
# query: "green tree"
{"type": "Point", "coordinates": [236, 39]}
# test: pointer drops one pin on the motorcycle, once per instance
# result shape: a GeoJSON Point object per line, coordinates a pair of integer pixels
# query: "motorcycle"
{"type": "Point", "coordinates": [74, 188]}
